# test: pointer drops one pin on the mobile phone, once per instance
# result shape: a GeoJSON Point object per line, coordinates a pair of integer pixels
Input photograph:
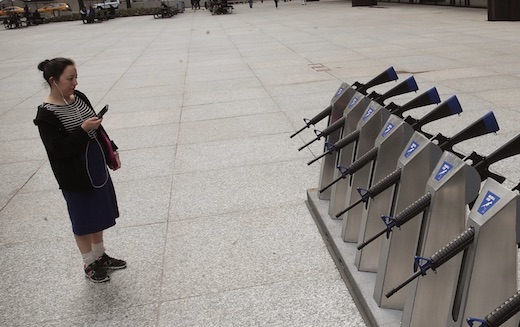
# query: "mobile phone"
{"type": "Point", "coordinates": [102, 112]}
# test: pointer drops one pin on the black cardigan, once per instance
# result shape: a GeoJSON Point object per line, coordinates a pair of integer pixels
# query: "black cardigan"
{"type": "Point", "coordinates": [64, 149]}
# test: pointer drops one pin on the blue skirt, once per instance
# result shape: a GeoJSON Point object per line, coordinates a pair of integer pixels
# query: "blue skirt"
{"type": "Point", "coordinates": [94, 210]}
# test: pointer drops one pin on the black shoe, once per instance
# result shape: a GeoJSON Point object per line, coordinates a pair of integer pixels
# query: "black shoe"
{"type": "Point", "coordinates": [96, 273]}
{"type": "Point", "coordinates": [110, 263]}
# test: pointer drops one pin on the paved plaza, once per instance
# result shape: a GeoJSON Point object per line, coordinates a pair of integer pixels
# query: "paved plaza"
{"type": "Point", "coordinates": [214, 224]}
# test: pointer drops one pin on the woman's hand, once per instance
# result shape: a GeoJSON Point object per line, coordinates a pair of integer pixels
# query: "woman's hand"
{"type": "Point", "coordinates": [91, 123]}
{"type": "Point", "coordinates": [118, 162]}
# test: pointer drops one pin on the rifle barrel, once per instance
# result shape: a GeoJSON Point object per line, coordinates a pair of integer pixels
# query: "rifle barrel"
{"type": "Point", "coordinates": [318, 158]}
{"type": "Point", "coordinates": [332, 183]}
{"type": "Point", "coordinates": [406, 282]}
{"type": "Point", "coordinates": [362, 245]}
{"type": "Point", "coordinates": [299, 131]}
{"type": "Point", "coordinates": [339, 214]}
{"type": "Point", "coordinates": [309, 143]}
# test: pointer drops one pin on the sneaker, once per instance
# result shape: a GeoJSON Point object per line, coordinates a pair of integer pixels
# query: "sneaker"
{"type": "Point", "coordinates": [96, 273]}
{"type": "Point", "coordinates": [110, 263]}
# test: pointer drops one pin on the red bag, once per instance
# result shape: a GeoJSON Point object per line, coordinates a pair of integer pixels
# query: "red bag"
{"type": "Point", "coordinates": [110, 152]}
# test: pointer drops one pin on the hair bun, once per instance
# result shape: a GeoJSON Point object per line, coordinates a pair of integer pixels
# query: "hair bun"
{"type": "Point", "coordinates": [43, 64]}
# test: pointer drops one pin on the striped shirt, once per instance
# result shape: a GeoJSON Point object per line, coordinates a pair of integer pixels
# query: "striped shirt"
{"type": "Point", "coordinates": [72, 115]}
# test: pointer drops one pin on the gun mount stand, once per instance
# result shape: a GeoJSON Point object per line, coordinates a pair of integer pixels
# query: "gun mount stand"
{"type": "Point", "coordinates": [496, 212]}
{"type": "Point", "coordinates": [351, 114]}
{"type": "Point", "coordinates": [345, 99]}
{"type": "Point", "coordinates": [467, 264]}
{"type": "Point", "coordinates": [361, 125]}
{"type": "Point", "coordinates": [392, 138]}
{"type": "Point", "coordinates": [368, 124]}
{"type": "Point", "coordinates": [414, 166]}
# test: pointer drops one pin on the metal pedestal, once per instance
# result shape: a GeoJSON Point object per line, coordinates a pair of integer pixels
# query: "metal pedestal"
{"type": "Point", "coordinates": [370, 120]}
{"type": "Point", "coordinates": [416, 163]}
{"type": "Point", "coordinates": [343, 102]}
{"type": "Point", "coordinates": [492, 253]}
{"type": "Point", "coordinates": [398, 132]}
{"type": "Point", "coordinates": [452, 186]}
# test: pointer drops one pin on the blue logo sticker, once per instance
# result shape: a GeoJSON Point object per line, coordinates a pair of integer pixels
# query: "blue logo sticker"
{"type": "Point", "coordinates": [445, 168]}
{"type": "Point", "coordinates": [341, 89]}
{"type": "Point", "coordinates": [489, 201]}
{"type": "Point", "coordinates": [411, 149]}
{"type": "Point", "coordinates": [368, 113]}
{"type": "Point", "coordinates": [352, 103]}
{"type": "Point", "coordinates": [387, 129]}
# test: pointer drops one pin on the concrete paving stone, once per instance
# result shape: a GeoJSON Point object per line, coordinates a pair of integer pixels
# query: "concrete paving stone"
{"type": "Point", "coordinates": [305, 88]}
{"type": "Point", "coordinates": [23, 113]}
{"type": "Point", "coordinates": [252, 187]}
{"type": "Point", "coordinates": [226, 86]}
{"type": "Point", "coordinates": [450, 74]}
{"type": "Point", "coordinates": [216, 96]}
{"type": "Point", "coordinates": [232, 128]}
{"type": "Point", "coordinates": [274, 61]}
{"type": "Point", "coordinates": [75, 296]}
{"type": "Point", "coordinates": [145, 121]}
{"type": "Point", "coordinates": [506, 69]}
{"type": "Point", "coordinates": [149, 79]}
{"type": "Point", "coordinates": [222, 69]}
{"type": "Point", "coordinates": [143, 201]}
{"type": "Point", "coordinates": [382, 51]}
{"type": "Point", "coordinates": [317, 100]}
{"type": "Point", "coordinates": [18, 151]}
{"type": "Point", "coordinates": [145, 163]}
{"type": "Point", "coordinates": [163, 135]}
{"type": "Point", "coordinates": [247, 151]}
{"type": "Point", "coordinates": [293, 303]}
{"type": "Point", "coordinates": [139, 93]}
{"type": "Point", "coordinates": [419, 63]}
{"type": "Point", "coordinates": [145, 105]}
{"type": "Point", "coordinates": [202, 57]}
{"type": "Point", "coordinates": [311, 47]}
{"type": "Point", "coordinates": [290, 76]}
{"type": "Point", "coordinates": [504, 98]}
{"type": "Point", "coordinates": [48, 217]}
{"type": "Point", "coordinates": [219, 110]}
{"type": "Point", "coordinates": [14, 177]}
{"type": "Point", "coordinates": [42, 179]}
{"type": "Point", "coordinates": [264, 248]}
{"type": "Point", "coordinates": [327, 58]}
{"type": "Point", "coordinates": [489, 83]}
{"type": "Point", "coordinates": [137, 316]}
{"type": "Point", "coordinates": [97, 82]}
{"type": "Point", "coordinates": [205, 76]}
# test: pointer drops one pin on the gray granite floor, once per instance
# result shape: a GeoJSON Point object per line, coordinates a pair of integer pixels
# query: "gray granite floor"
{"type": "Point", "coordinates": [213, 221]}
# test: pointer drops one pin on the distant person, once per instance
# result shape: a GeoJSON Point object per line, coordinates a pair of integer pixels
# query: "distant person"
{"type": "Point", "coordinates": [26, 11]}
{"type": "Point", "coordinates": [36, 15]}
{"type": "Point", "coordinates": [83, 13]}
{"type": "Point", "coordinates": [91, 15]}
{"type": "Point", "coordinates": [276, 3]}
{"type": "Point", "coordinates": [304, 2]}
{"type": "Point", "coordinates": [250, 3]}
{"type": "Point", "coordinates": [164, 10]}
{"type": "Point", "coordinates": [80, 153]}
{"type": "Point", "coordinates": [111, 12]}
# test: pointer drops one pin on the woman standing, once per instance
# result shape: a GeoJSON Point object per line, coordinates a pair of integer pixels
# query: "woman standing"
{"type": "Point", "coordinates": [79, 153]}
